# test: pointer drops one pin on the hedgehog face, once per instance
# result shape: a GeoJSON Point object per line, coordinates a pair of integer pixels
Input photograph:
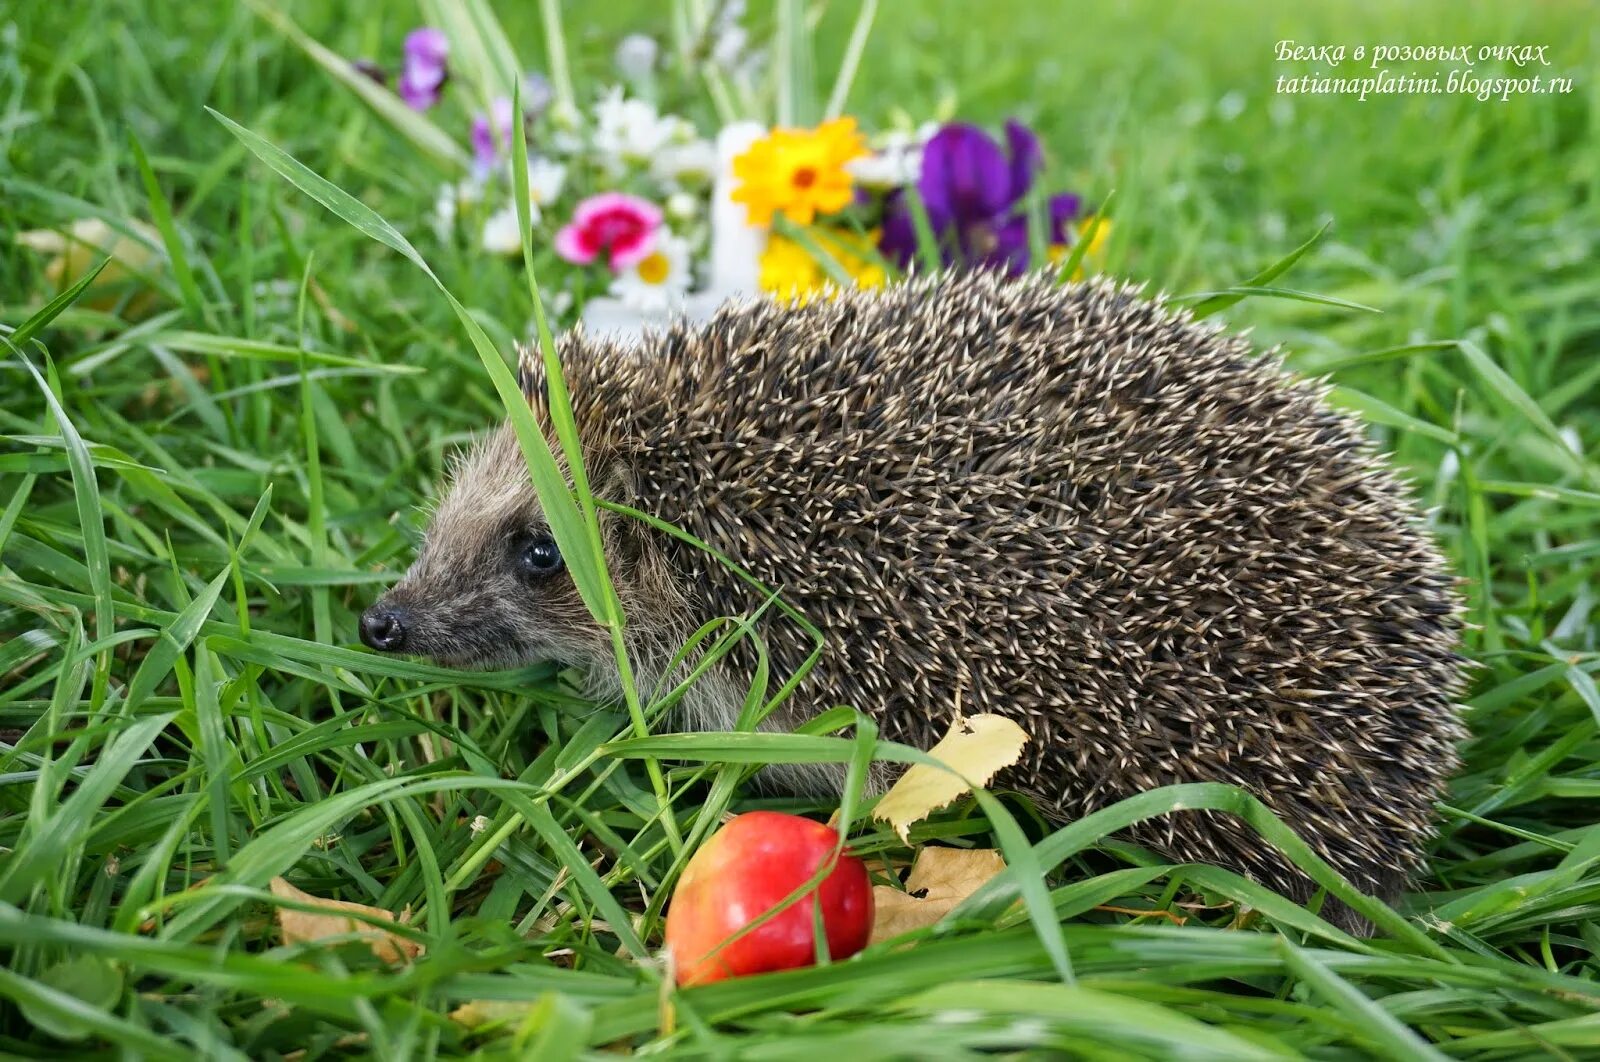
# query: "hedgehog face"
{"type": "Point", "coordinates": [489, 587]}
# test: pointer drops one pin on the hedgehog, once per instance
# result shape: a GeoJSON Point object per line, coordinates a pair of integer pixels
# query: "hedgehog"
{"type": "Point", "coordinates": [1148, 543]}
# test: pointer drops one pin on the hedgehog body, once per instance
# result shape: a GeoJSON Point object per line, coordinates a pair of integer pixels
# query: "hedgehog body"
{"type": "Point", "coordinates": [1162, 555]}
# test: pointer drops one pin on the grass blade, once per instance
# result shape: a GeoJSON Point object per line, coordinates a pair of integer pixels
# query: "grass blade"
{"type": "Point", "coordinates": [1387, 1033]}
{"type": "Point", "coordinates": [161, 214]}
{"type": "Point", "coordinates": [172, 643]}
{"type": "Point", "coordinates": [928, 255]}
{"type": "Point", "coordinates": [1166, 1032]}
{"type": "Point", "coordinates": [851, 62]}
{"type": "Point", "coordinates": [592, 578]}
{"type": "Point", "coordinates": [68, 1011]}
{"type": "Point", "coordinates": [1068, 270]}
{"type": "Point", "coordinates": [52, 309]}
{"type": "Point", "coordinates": [91, 519]}
{"type": "Point", "coordinates": [1509, 393]}
{"type": "Point", "coordinates": [70, 823]}
{"type": "Point", "coordinates": [1221, 300]}
{"type": "Point", "coordinates": [1229, 296]}
{"type": "Point", "coordinates": [555, 48]}
{"type": "Point", "coordinates": [1380, 412]}
{"type": "Point", "coordinates": [1030, 875]}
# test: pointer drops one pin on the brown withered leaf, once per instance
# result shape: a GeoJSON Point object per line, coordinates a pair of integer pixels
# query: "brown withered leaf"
{"type": "Point", "coordinates": [939, 879]}
{"type": "Point", "coordinates": [975, 747]}
{"type": "Point", "coordinates": [301, 926]}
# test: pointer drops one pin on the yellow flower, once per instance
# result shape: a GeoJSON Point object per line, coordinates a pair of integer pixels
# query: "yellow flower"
{"type": "Point", "coordinates": [790, 273]}
{"type": "Point", "coordinates": [1059, 252]}
{"type": "Point", "coordinates": [1101, 231]}
{"type": "Point", "coordinates": [799, 173]}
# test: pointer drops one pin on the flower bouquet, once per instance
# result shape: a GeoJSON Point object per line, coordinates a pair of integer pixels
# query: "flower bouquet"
{"type": "Point", "coordinates": [655, 215]}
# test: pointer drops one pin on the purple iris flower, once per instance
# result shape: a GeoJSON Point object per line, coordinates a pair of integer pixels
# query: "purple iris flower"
{"type": "Point", "coordinates": [974, 193]}
{"type": "Point", "coordinates": [491, 135]}
{"type": "Point", "coordinates": [424, 72]}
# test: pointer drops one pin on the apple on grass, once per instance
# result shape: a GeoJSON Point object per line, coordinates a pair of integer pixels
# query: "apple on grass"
{"type": "Point", "coordinates": [746, 869]}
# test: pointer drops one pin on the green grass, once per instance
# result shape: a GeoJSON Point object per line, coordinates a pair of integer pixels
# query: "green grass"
{"type": "Point", "coordinates": [195, 506]}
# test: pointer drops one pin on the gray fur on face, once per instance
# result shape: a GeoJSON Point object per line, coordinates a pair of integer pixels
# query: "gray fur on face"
{"type": "Point", "coordinates": [464, 600]}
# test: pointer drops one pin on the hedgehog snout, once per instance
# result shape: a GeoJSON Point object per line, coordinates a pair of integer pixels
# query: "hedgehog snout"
{"type": "Point", "coordinates": [383, 627]}
{"type": "Point", "coordinates": [483, 620]}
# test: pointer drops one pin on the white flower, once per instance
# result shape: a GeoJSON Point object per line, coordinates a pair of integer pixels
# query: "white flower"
{"type": "Point", "coordinates": [470, 192]}
{"type": "Point", "coordinates": [729, 38]}
{"type": "Point", "coordinates": [629, 131]}
{"type": "Point", "coordinates": [566, 135]}
{"type": "Point", "coordinates": [658, 282]}
{"type": "Point", "coordinates": [448, 203]}
{"type": "Point", "coordinates": [694, 159]}
{"type": "Point", "coordinates": [681, 206]}
{"type": "Point", "coordinates": [636, 56]}
{"type": "Point", "coordinates": [897, 160]}
{"type": "Point", "coordinates": [545, 181]}
{"type": "Point", "coordinates": [891, 168]}
{"type": "Point", "coordinates": [730, 47]}
{"type": "Point", "coordinates": [501, 232]}
{"type": "Point", "coordinates": [444, 211]}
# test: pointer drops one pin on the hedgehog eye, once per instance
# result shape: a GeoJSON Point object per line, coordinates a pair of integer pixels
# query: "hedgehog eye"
{"type": "Point", "coordinates": [539, 557]}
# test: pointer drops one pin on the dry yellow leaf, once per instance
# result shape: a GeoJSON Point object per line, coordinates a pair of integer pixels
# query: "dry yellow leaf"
{"type": "Point", "coordinates": [976, 748]}
{"type": "Point", "coordinates": [943, 877]}
{"type": "Point", "coordinates": [300, 926]}
{"type": "Point", "coordinates": [86, 241]}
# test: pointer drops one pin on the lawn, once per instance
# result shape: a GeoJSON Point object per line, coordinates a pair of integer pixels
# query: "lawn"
{"type": "Point", "coordinates": [211, 465]}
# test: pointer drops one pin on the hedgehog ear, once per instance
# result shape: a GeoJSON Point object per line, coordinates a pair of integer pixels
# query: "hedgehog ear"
{"type": "Point", "coordinates": [615, 483]}
{"type": "Point", "coordinates": [624, 534]}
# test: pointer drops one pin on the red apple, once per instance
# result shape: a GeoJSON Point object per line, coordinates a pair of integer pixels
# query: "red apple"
{"type": "Point", "coordinates": [745, 870]}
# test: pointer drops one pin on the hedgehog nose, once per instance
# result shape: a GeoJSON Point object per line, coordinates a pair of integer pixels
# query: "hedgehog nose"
{"type": "Point", "coordinates": [383, 628]}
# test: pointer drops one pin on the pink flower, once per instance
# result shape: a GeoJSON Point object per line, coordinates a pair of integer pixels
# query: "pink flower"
{"type": "Point", "coordinates": [622, 226]}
